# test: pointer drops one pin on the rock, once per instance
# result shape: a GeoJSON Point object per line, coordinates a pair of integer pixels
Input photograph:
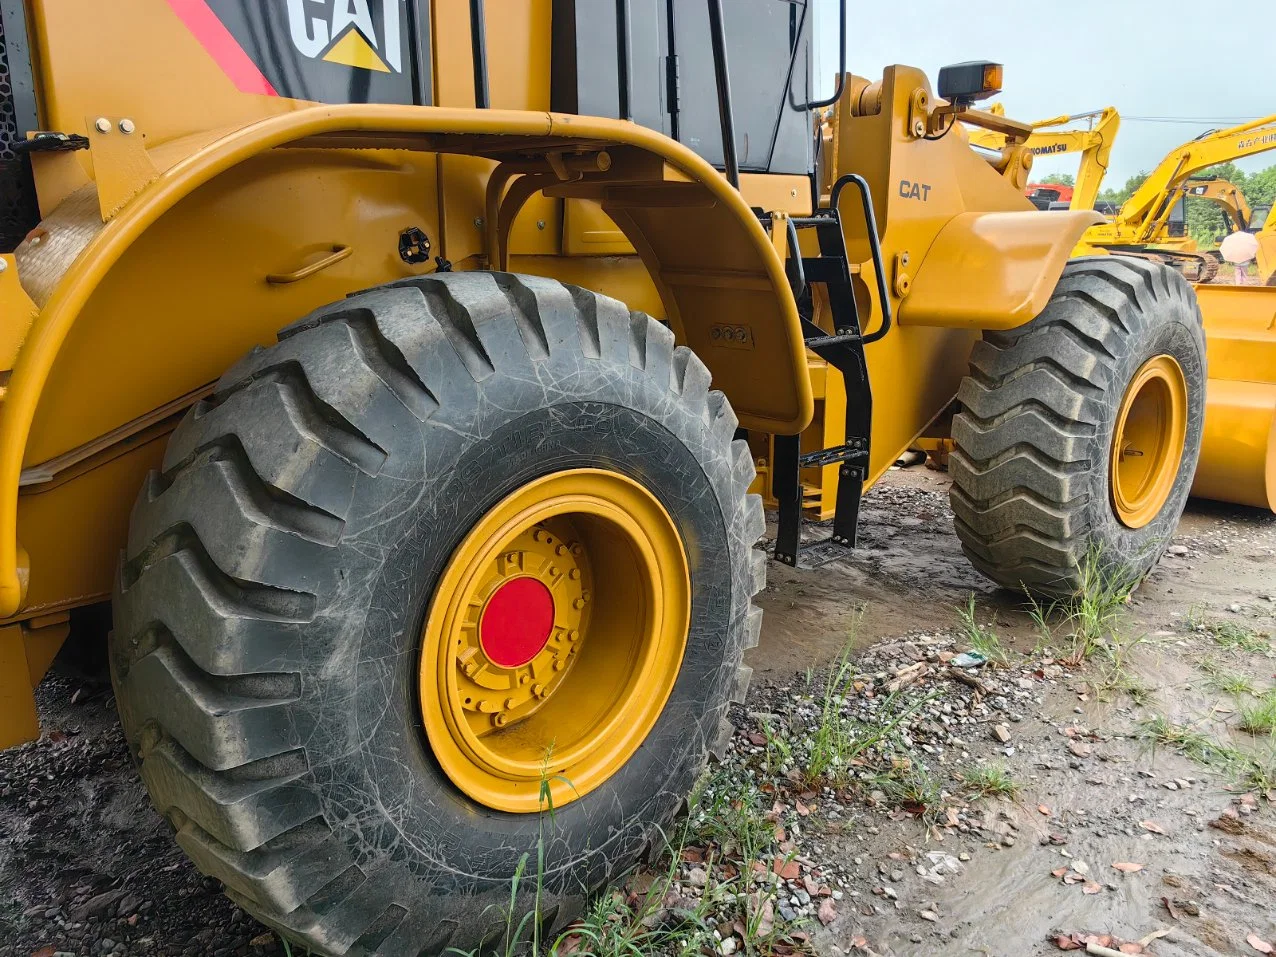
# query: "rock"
{"type": "Point", "coordinates": [786, 911]}
{"type": "Point", "coordinates": [98, 906]}
{"type": "Point", "coordinates": [827, 913]}
{"type": "Point", "coordinates": [727, 947]}
{"type": "Point", "coordinates": [1080, 749]}
{"type": "Point", "coordinates": [1177, 550]}
{"type": "Point", "coordinates": [963, 856]}
{"type": "Point", "coordinates": [1001, 733]}
{"type": "Point", "coordinates": [929, 915]}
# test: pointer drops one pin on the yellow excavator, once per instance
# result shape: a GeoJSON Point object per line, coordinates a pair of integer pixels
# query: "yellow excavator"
{"type": "Point", "coordinates": [1093, 143]}
{"type": "Point", "coordinates": [1142, 226]}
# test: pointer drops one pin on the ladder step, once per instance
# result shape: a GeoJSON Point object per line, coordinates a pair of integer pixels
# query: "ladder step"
{"type": "Point", "coordinates": [821, 342]}
{"type": "Point", "coordinates": [852, 451]}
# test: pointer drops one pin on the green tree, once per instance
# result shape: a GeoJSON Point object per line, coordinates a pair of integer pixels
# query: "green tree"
{"type": "Point", "coordinates": [1114, 195]}
{"type": "Point", "coordinates": [1058, 179]}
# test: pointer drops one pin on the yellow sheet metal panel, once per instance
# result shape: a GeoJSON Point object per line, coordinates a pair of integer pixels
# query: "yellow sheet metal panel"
{"type": "Point", "coordinates": [1240, 331]}
{"type": "Point", "coordinates": [18, 311]}
{"type": "Point", "coordinates": [18, 719]}
{"type": "Point", "coordinates": [993, 270]}
{"type": "Point", "coordinates": [1238, 448]}
{"type": "Point", "coordinates": [74, 528]}
{"type": "Point", "coordinates": [588, 231]}
{"type": "Point", "coordinates": [194, 290]}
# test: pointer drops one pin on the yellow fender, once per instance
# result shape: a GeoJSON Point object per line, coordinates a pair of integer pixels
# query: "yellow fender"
{"type": "Point", "coordinates": [993, 270]}
{"type": "Point", "coordinates": [707, 254]}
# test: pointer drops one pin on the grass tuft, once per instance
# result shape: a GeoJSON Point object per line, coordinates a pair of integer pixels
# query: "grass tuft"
{"type": "Point", "coordinates": [990, 780]}
{"type": "Point", "coordinates": [979, 637]}
{"type": "Point", "coordinates": [1096, 612]}
{"type": "Point", "coordinates": [1220, 679]}
{"type": "Point", "coordinates": [1260, 717]}
{"type": "Point", "coordinates": [1229, 635]}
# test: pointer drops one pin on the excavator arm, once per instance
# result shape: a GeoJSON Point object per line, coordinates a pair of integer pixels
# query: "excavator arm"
{"type": "Point", "coordinates": [1094, 145]}
{"type": "Point", "coordinates": [1226, 196]}
{"type": "Point", "coordinates": [1140, 218]}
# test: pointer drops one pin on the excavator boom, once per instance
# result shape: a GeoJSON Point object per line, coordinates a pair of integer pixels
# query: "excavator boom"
{"type": "Point", "coordinates": [1094, 144]}
{"type": "Point", "coordinates": [1140, 218]}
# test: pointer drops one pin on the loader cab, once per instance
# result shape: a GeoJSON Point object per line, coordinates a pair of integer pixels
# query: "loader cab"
{"type": "Point", "coordinates": [1259, 219]}
{"type": "Point", "coordinates": [665, 80]}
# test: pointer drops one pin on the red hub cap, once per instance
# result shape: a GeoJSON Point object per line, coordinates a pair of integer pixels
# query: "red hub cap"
{"type": "Point", "coordinates": [517, 622]}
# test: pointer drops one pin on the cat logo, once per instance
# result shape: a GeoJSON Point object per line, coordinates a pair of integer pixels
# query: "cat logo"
{"type": "Point", "coordinates": [321, 51]}
{"type": "Point", "coordinates": [342, 31]}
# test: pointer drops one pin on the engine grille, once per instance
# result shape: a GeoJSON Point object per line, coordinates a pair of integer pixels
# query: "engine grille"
{"type": "Point", "coordinates": [18, 210]}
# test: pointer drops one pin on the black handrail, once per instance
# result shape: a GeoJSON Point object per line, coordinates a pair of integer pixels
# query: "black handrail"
{"type": "Point", "coordinates": [478, 43]}
{"type": "Point", "coordinates": [873, 243]}
{"type": "Point", "coordinates": [624, 55]}
{"type": "Point", "coordinates": [841, 70]}
{"type": "Point", "coordinates": [718, 38]}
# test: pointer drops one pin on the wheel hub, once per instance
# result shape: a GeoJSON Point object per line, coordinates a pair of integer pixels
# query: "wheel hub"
{"type": "Point", "coordinates": [1147, 443]}
{"type": "Point", "coordinates": [524, 629]}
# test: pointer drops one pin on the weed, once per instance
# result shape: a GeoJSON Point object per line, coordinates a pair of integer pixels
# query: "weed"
{"type": "Point", "coordinates": [1259, 772]}
{"type": "Point", "coordinates": [1190, 742]}
{"type": "Point", "coordinates": [1250, 771]}
{"type": "Point", "coordinates": [912, 786]}
{"type": "Point", "coordinates": [1230, 635]}
{"type": "Point", "coordinates": [729, 817]}
{"type": "Point", "coordinates": [1095, 612]}
{"type": "Point", "coordinates": [978, 637]}
{"type": "Point", "coordinates": [1041, 615]}
{"type": "Point", "coordinates": [990, 780]}
{"type": "Point", "coordinates": [1220, 679]}
{"type": "Point", "coordinates": [778, 745]}
{"type": "Point", "coordinates": [1260, 717]}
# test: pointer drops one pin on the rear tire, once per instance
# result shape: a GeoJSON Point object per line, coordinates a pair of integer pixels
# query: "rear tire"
{"type": "Point", "coordinates": [1034, 492]}
{"type": "Point", "coordinates": [267, 652]}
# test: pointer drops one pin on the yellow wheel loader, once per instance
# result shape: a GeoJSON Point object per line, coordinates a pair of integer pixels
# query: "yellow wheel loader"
{"type": "Point", "coordinates": [392, 367]}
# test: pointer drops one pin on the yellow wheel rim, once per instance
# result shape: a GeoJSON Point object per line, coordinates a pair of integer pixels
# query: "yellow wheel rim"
{"type": "Point", "coordinates": [554, 639]}
{"type": "Point", "coordinates": [1147, 444]}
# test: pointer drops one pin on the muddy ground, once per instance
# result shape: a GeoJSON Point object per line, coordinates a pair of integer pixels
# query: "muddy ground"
{"type": "Point", "coordinates": [898, 852]}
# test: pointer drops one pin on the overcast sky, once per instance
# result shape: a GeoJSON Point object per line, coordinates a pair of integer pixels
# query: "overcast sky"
{"type": "Point", "coordinates": [1203, 60]}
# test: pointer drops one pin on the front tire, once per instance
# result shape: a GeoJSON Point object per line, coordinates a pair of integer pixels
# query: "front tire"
{"type": "Point", "coordinates": [285, 664]}
{"type": "Point", "coordinates": [1079, 431]}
